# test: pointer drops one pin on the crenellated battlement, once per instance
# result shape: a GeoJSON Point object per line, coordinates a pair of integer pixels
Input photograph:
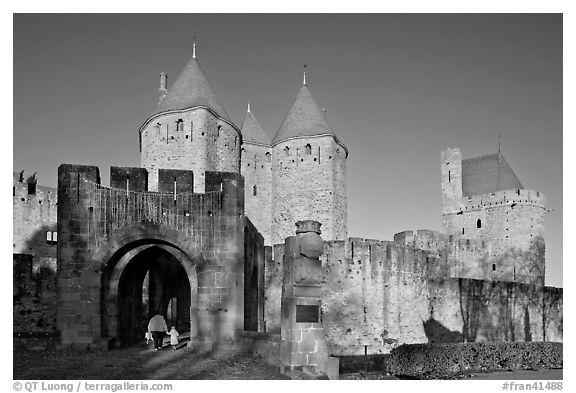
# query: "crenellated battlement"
{"type": "Point", "coordinates": [110, 209]}
{"type": "Point", "coordinates": [524, 197]}
{"type": "Point", "coordinates": [42, 195]}
{"type": "Point", "coordinates": [435, 241]}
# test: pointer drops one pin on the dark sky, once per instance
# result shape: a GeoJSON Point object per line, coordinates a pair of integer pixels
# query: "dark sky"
{"type": "Point", "coordinates": [397, 88]}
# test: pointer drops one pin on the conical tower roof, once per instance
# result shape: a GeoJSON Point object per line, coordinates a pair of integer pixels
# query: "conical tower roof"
{"type": "Point", "coordinates": [305, 118]}
{"type": "Point", "coordinates": [252, 131]}
{"type": "Point", "coordinates": [191, 89]}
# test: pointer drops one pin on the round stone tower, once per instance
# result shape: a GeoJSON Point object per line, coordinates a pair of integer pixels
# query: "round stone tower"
{"type": "Point", "coordinates": [256, 154]}
{"type": "Point", "coordinates": [308, 172]}
{"type": "Point", "coordinates": [189, 130]}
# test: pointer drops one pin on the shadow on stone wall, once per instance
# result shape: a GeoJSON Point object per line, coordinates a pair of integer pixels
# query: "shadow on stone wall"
{"type": "Point", "coordinates": [474, 296]}
{"type": "Point", "coordinates": [519, 301]}
{"type": "Point", "coordinates": [34, 288]}
{"type": "Point", "coordinates": [508, 311]}
{"type": "Point", "coordinates": [438, 333]}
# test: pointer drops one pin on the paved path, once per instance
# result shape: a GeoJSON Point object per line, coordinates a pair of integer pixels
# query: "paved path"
{"type": "Point", "coordinates": [140, 362]}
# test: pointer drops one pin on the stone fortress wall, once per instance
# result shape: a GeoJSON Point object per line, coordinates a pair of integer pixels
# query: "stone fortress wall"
{"type": "Point", "coordinates": [33, 217]}
{"type": "Point", "coordinates": [34, 233]}
{"type": "Point", "coordinates": [381, 294]}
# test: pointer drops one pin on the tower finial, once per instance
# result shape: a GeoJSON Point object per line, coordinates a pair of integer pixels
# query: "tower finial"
{"type": "Point", "coordinates": [194, 47]}
{"type": "Point", "coordinates": [248, 106]}
{"type": "Point", "coordinates": [499, 143]}
{"type": "Point", "coordinates": [304, 78]}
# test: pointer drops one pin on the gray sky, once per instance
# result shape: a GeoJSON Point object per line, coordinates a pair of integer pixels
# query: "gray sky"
{"type": "Point", "coordinates": [397, 88]}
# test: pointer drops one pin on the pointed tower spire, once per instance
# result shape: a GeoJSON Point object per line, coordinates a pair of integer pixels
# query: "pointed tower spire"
{"type": "Point", "coordinates": [304, 77]}
{"type": "Point", "coordinates": [304, 118]}
{"type": "Point", "coordinates": [252, 132]}
{"type": "Point", "coordinates": [194, 46]}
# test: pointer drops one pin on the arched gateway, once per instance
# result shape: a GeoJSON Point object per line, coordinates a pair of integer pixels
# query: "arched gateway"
{"type": "Point", "coordinates": [125, 252]}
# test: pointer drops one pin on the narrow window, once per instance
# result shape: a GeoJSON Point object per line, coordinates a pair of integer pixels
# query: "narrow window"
{"type": "Point", "coordinates": [49, 237]}
{"type": "Point", "coordinates": [54, 237]}
{"type": "Point", "coordinates": [218, 130]}
{"type": "Point", "coordinates": [493, 267]}
{"type": "Point", "coordinates": [235, 140]}
{"type": "Point", "coordinates": [191, 130]}
{"type": "Point", "coordinates": [268, 157]}
{"type": "Point", "coordinates": [286, 151]}
{"type": "Point", "coordinates": [308, 149]}
{"type": "Point", "coordinates": [478, 223]}
{"type": "Point", "coordinates": [462, 230]}
{"type": "Point", "coordinates": [180, 125]}
{"type": "Point", "coordinates": [254, 191]}
{"type": "Point", "coordinates": [449, 177]}
{"type": "Point", "coordinates": [518, 192]}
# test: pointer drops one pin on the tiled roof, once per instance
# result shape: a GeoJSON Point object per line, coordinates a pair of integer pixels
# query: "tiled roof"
{"type": "Point", "coordinates": [191, 89]}
{"type": "Point", "coordinates": [303, 119]}
{"type": "Point", "coordinates": [252, 131]}
{"type": "Point", "coordinates": [486, 174]}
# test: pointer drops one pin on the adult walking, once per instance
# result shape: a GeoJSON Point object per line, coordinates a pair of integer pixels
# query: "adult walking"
{"type": "Point", "coordinates": [157, 326]}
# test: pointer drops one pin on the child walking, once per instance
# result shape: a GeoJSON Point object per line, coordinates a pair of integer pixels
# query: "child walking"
{"type": "Point", "coordinates": [148, 337]}
{"type": "Point", "coordinates": [173, 333]}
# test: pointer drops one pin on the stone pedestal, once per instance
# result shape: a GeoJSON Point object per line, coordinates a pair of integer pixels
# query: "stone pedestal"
{"type": "Point", "coordinates": [303, 349]}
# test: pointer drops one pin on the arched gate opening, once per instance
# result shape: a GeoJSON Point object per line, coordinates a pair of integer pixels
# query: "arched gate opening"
{"type": "Point", "coordinates": [140, 279]}
{"type": "Point", "coordinates": [152, 281]}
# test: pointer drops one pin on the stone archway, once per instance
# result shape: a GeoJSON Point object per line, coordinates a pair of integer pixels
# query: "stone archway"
{"type": "Point", "coordinates": [170, 268]}
{"type": "Point", "coordinates": [146, 279]}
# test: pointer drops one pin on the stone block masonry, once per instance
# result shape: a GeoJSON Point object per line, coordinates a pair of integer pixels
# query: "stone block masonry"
{"type": "Point", "coordinates": [509, 221]}
{"type": "Point", "coordinates": [256, 167]}
{"type": "Point", "coordinates": [34, 214]}
{"type": "Point", "coordinates": [379, 294]}
{"type": "Point", "coordinates": [309, 183]}
{"type": "Point", "coordinates": [193, 139]}
{"type": "Point", "coordinates": [303, 347]}
{"type": "Point", "coordinates": [104, 229]}
{"type": "Point", "coordinates": [34, 295]}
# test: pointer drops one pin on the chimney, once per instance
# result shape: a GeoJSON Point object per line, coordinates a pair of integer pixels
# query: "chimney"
{"type": "Point", "coordinates": [162, 91]}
